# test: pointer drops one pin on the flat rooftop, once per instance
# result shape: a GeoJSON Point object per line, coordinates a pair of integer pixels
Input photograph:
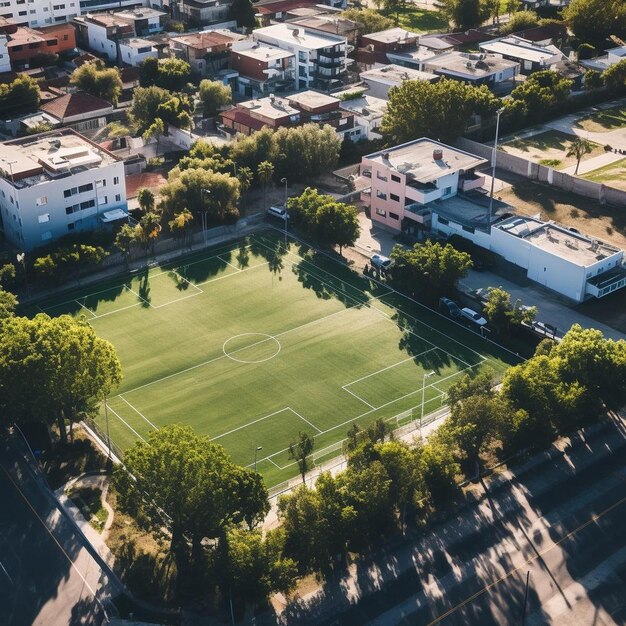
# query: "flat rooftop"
{"type": "Point", "coordinates": [392, 35]}
{"type": "Point", "coordinates": [471, 209]}
{"type": "Point", "coordinates": [136, 42]}
{"type": "Point", "coordinates": [559, 241]}
{"type": "Point", "coordinates": [144, 13]}
{"type": "Point", "coordinates": [107, 20]}
{"type": "Point", "coordinates": [396, 74]}
{"type": "Point", "coordinates": [520, 49]}
{"type": "Point", "coordinates": [262, 52]}
{"type": "Point", "coordinates": [420, 54]}
{"type": "Point", "coordinates": [368, 107]}
{"type": "Point", "coordinates": [416, 159]}
{"type": "Point", "coordinates": [56, 154]}
{"type": "Point", "coordinates": [312, 99]}
{"type": "Point", "coordinates": [270, 108]}
{"type": "Point", "coordinates": [474, 65]}
{"type": "Point", "coordinates": [203, 40]}
{"type": "Point", "coordinates": [294, 35]}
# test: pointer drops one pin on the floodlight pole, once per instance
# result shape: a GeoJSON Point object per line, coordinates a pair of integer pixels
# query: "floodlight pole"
{"type": "Point", "coordinates": [426, 375]}
{"type": "Point", "coordinates": [494, 157]}
{"type": "Point", "coordinates": [204, 212]}
{"type": "Point", "coordinates": [256, 450]}
{"type": "Point", "coordinates": [284, 180]}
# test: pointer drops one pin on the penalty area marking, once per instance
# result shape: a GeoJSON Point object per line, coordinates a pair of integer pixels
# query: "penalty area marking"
{"type": "Point", "coordinates": [265, 336]}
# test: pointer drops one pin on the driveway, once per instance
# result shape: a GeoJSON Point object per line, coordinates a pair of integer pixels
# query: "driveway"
{"type": "Point", "coordinates": [550, 307]}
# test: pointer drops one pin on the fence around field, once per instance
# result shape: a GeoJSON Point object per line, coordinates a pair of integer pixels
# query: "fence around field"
{"type": "Point", "coordinates": [547, 175]}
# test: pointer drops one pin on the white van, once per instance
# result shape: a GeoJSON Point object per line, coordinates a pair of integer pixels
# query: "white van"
{"type": "Point", "coordinates": [278, 211]}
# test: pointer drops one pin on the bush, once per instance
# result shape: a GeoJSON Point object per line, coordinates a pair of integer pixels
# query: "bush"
{"type": "Point", "coordinates": [520, 21]}
{"type": "Point", "coordinates": [585, 51]}
{"type": "Point", "coordinates": [608, 147]}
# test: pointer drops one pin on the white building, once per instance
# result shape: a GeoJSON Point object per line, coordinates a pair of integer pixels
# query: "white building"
{"type": "Point", "coordinates": [531, 56]}
{"type": "Point", "coordinates": [321, 60]}
{"type": "Point", "coordinates": [135, 50]}
{"type": "Point", "coordinates": [601, 63]}
{"type": "Point", "coordinates": [368, 113]}
{"type": "Point", "coordinates": [5, 61]}
{"type": "Point", "coordinates": [100, 32]}
{"type": "Point", "coordinates": [381, 79]}
{"type": "Point", "coordinates": [56, 183]}
{"type": "Point", "coordinates": [39, 13]}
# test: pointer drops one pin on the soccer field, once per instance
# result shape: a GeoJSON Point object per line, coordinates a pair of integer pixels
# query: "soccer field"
{"type": "Point", "coordinates": [252, 342]}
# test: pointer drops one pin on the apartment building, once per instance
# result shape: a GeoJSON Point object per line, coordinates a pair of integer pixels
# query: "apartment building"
{"type": "Point", "coordinates": [204, 12]}
{"type": "Point", "coordinates": [207, 52]}
{"type": "Point", "coordinates": [100, 33]}
{"type": "Point", "coordinates": [321, 59]}
{"type": "Point", "coordinates": [408, 179]}
{"type": "Point", "coordinates": [34, 13]}
{"type": "Point", "coordinates": [531, 56]}
{"type": "Point", "coordinates": [56, 183]}
{"type": "Point", "coordinates": [26, 44]}
{"type": "Point", "coordinates": [381, 79]}
{"type": "Point", "coordinates": [262, 69]}
{"type": "Point", "coordinates": [145, 20]}
{"type": "Point", "coordinates": [133, 51]}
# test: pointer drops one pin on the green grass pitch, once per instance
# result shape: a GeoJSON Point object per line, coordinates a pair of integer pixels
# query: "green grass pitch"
{"type": "Point", "coordinates": [253, 342]}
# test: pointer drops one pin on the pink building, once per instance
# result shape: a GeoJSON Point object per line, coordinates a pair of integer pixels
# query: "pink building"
{"type": "Point", "coordinates": [408, 178]}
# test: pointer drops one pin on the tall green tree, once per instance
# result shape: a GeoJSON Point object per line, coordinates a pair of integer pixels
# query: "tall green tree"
{"type": "Point", "coordinates": [124, 240]}
{"type": "Point", "coordinates": [18, 97]}
{"type": "Point", "coordinates": [372, 21]}
{"type": "Point", "coordinates": [580, 146]}
{"type": "Point", "coordinates": [146, 199]}
{"type": "Point", "coordinates": [180, 225]}
{"type": "Point", "coordinates": [337, 224]}
{"type": "Point", "coordinates": [152, 102]}
{"type": "Point", "coordinates": [503, 314]}
{"type": "Point", "coordinates": [615, 78]}
{"type": "Point", "coordinates": [539, 95]}
{"type": "Point", "coordinates": [214, 95]}
{"type": "Point", "coordinates": [479, 385]}
{"type": "Point", "coordinates": [147, 231]}
{"type": "Point", "coordinates": [156, 130]}
{"type": "Point", "coordinates": [520, 20]}
{"type": "Point", "coordinates": [594, 21]}
{"type": "Point", "coordinates": [98, 80]}
{"type": "Point", "coordinates": [244, 13]}
{"type": "Point", "coordinates": [265, 173]}
{"type": "Point", "coordinates": [173, 74]}
{"type": "Point", "coordinates": [300, 451]}
{"type": "Point", "coordinates": [462, 14]}
{"type": "Point", "coordinates": [441, 110]}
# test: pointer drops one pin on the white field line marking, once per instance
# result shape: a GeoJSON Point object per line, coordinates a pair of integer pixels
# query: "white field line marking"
{"type": "Point", "coordinates": [212, 280]}
{"type": "Point", "coordinates": [382, 406]}
{"type": "Point", "coordinates": [184, 279]}
{"type": "Point", "coordinates": [260, 419]}
{"type": "Point", "coordinates": [130, 306]}
{"type": "Point", "coordinates": [4, 569]}
{"type": "Point", "coordinates": [227, 263]}
{"type": "Point", "coordinates": [272, 462]}
{"type": "Point", "coordinates": [125, 422]}
{"type": "Point", "coordinates": [136, 294]}
{"type": "Point", "coordinates": [359, 398]}
{"type": "Point", "coordinates": [191, 295]}
{"type": "Point", "coordinates": [223, 356]}
{"type": "Point", "coordinates": [93, 315]}
{"type": "Point", "coordinates": [138, 412]}
{"type": "Point", "coordinates": [384, 369]}
{"type": "Point", "coordinates": [306, 420]}
{"type": "Point", "coordinates": [89, 295]}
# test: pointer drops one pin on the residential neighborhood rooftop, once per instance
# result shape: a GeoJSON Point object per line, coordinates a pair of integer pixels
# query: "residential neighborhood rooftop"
{"type": "Point", "coordinates": [366, 106]}
{"type": "Point", "coordinates": [392, 35]}
{"type": "Point", "coordinates": [312, 99]}
{"type": "Point", "coordinates": [263, 52]}
{"type": "Point", "coordinates": [291, 34]}
{"type": "Point", "coordinates": [202, 40]}
{"type": "Point", "coordinates": [394, 74]}
{"type": "Point", "coordinates": [475, 65]}
{"type": "Point", "coordinates": [416, 159]}
{"type": "Point", "coordinates": [520, 49]}
{"type": "Point", "coordinates": [270, 108]}
{"type": "Point", "coordinates": [141, 13]}
{"type": "Point", "coordinates": [72, 104]}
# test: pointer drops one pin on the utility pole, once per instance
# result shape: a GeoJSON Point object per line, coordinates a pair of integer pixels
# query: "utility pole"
{"type": "Point", "coordinates": [494, 157]}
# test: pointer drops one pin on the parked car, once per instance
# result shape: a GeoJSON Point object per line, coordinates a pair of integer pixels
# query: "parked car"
{"type": "Point", "coordinates": [381, 262]}
{"type": "Point", "coordinates": [450, 306]}
{"type": "Point", "coordinates": [278, 212]}
{"type": "Point", "coordinates": [472, 316]}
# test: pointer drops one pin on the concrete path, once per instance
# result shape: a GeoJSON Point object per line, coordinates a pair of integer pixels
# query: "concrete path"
{"type": "Point", "coordinates": [550, 308]}
{"type": "Point", "coordinates": [594, 163]}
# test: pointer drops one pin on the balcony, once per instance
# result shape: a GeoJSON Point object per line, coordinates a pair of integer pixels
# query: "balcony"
{"type": "Point", "coordinates": [327, 74]}
{"type": "Point", "coordinates": [332, 53]}
{"type": "Point", "coordinates": [422, 194]}
{"type": "Point", "coordinates": [471, 181]}
{"type": "Point", "coordinates": [418, 213]}
{"type": "Point", "coordinates": [326, 62]}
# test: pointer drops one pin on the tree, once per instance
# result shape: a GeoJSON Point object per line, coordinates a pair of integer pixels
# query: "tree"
{"type": "Point", "coordinates": [41, 127]}
{"type": "Point", "coordinates": [147, 231]}
{"type": "Point", "coordinates": [441, 110]}
{"type": "Point", "coordinates": [252, 494]}
{"type": "Point", "coordinates": [428, 270]}
{"type": "Point", "coordinates": [245, 176]}
{"type": "Point", "coordinates": [464, 14]}
{"type": "Point", "coordinates": [214, 95]}
{"type": "Point", "coordinates": [152, 102]}
{"type": "Point", "coordinates": [596, 20]}
{"type": "Point", "coordinates": [255, 567]}
{"type": "Point", "coordinates": [479, 385]}
{"type": "Point", "coordinates": [373, 21]}
{"type": "Point", "coordinates": [439, 471]}
{"type": "Point", "coordinates": [117, 129]}
{"type": "Point", "coordinates": [98, 80]}
{"type": "Point", "coordinates": [173, 74]}
{"type": "Point", "coordinates": [54, 370]}
{"type": "Point", "coordinates": [146, 200]}
{"type": "Point", "coordinates": [539, 95]}
{"type": "Point", "coordinates": [156, 129]}
{"type": "Point", "coordinates": [337, 224]}
{"type": "Point", "coordinates": [192, 485]}
{"type": "Point", "coordinates": [265, 173]}
{"type": "Point", "coordinates": [578, 148]}
{"type": "Point", "coordinates": [615, 78]}
{"type": "Point", "coordinates": [243, 11]}
{"type": "Point", "coordinates": [521, 20]}
{"type": "Point", "coordinates": [148, 72]}
{"type": "Point", "coordinates": [593, 80]}
{"type": "Point", "coordinates": [300, 451]}
{"type": "Point", "coordinates": [18, 97]}
{"type": "Point", "coordinates": [180, 225]}
{"type": "Point", "coordinates": [124, 241]}
{"type": "Point", "coordinates": [502, 314]}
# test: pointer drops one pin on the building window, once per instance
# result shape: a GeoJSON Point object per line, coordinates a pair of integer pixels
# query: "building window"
{"type": "Point", "coordinates": [396, 179]}
{"type": "Point", "coordinates": [104, 200]}
{"type": "Point", "coordinates": [381, 212]}
{"type": "Point", "coordinates": [394, 197]}
{"type": "Point", "coordinates": [443, 220]}
{"type": "Point", "coordinates": [88, 204]}
{"type": "Point", "coordinates": [394, 216]}
{"type": "Point", "coordinates": [381, 177]}
{"type": "Point", "coordinates": [116, 180]}
{"type": "Point", "coordinates": [381, 195]}
{"type": "Point", "coordinates": [469, 229]}
{"type": "Point", "coordinates": [101, 183]}
{"type": "Point", "coordinates": [84, 188]}
{"type": "Point", "coordinates": [44, 218]}
{"type": "Point", "coordinates": [447, 191]}
{"type": "Point", "coordinates": [68, 193]}
{"type": "Point", "coordinates": [69, 210]}
{"type": "Point", "coordinates": [70, 226]}
{"type": "Point", "coordinates": [46, 236]}
{"type": "Point", "coordinates": [118, 197]}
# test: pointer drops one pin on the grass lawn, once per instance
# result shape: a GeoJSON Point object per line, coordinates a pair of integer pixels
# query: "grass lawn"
{"type": "Point", "coordinates": [604, 121]}
{"type": "Point", "coordinates": [88, 501]}
{"type": "Point", "coordinates": [613, 174]}
{"type": "Point", "coordinates": [251, 343]}
{"type": "Point", "coordinates": [548, 148]}
{"type": "Point", "coordinates": [419, 20]}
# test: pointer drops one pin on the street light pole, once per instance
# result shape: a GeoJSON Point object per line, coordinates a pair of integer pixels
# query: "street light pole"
{"type": "Point", "coordinates": [256, 451]}
{"type": "Point", "coordinates": [204, 213]}
{"type": "Point", "coordinates": [493, 162]}
{"type": "Point", "coordinates": [284, 180]}
{"type": "Point", "coordinates": [525, 598]}
{"type": "Point", "coordinates": [106, 417]}
{"type": "Point", "coordinates": [426, 375]}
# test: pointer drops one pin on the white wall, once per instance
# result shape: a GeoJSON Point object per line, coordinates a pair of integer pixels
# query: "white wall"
{"type": "Point", "coordinates": [130, 55]}
{"type": "Point", "coordinates": [42, 12]}
{"type": "Point", "coordinates": [5, 61]}
{"type": "Point", "coordinates": [98, 41]}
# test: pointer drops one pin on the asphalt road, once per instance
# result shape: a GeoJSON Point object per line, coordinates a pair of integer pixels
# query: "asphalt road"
{"type": "Point", "coordinates": [561, 523]}
{"type": "Point", "coordinates": [47, 577]}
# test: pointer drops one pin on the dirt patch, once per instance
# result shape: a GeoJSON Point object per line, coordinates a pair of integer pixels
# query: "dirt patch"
{"type": "Point", "coordinates": [588, 216]}
{"type": "Point", "coordinates": [151, 180]}
{"type": "Point", "coordinates": [549, 148]}
{"type": "Point", "coordinates": [604, 121]}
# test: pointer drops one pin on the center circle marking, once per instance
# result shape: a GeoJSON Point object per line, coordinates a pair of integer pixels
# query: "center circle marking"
{"type": "Point", "coordinates": [261, 338]}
